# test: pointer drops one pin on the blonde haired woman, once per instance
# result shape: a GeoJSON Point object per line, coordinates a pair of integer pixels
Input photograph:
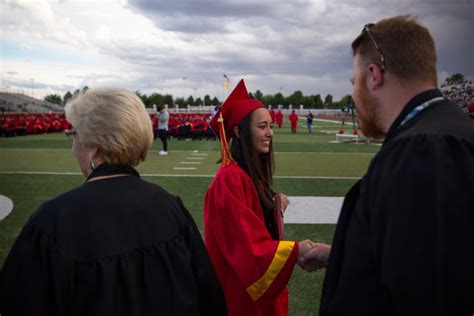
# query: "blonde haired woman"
{"type": "Point", "coordinates": [116, 245]}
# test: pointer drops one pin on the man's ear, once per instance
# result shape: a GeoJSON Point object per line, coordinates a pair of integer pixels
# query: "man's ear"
{"type": "Point", "coordinates": [376, 79]}
{"type": "Point", "coordinates": [236, 131]}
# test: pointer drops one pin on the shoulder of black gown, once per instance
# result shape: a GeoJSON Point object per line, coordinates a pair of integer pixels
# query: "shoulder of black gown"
{"type": "Point", "coordinates": [106, 217]}
{"type": "Point", "coordinates": [421, 211]}
{"type": "Point", "coordinates": [426, 152]}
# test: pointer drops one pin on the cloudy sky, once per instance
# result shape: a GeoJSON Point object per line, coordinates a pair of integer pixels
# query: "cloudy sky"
{"type": "Point", "coordinates": [185, 47]}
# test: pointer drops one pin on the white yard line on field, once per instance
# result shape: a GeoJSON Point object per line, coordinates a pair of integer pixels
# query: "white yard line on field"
{"type": "Point", "coordinates": [54, 173]}
{"type": "Point", "coordinates": [313, 210]}
{"type": "Point", "coordinates": [155, 151]}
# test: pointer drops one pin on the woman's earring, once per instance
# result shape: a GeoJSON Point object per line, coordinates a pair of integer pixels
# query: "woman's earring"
{"type": "Point", "coordinates": [91, 165]}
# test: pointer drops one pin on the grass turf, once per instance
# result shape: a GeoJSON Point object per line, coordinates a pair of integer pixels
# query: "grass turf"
{"type": "Point", "coordinates": [296, 155]}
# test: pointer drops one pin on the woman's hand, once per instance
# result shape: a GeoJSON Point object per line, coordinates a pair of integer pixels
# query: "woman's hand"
{"type": "Point", "coordinates": [284, 201]}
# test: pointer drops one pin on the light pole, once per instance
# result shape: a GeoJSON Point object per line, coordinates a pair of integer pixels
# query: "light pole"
{"type": "Point", "coordinates": [203, 94]}
{"type": "Point", "coordinates": [184, 90]}
{"type": "Point", "coordinates": [32, 87]}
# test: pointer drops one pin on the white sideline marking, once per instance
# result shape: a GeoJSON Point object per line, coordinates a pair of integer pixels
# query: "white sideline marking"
{"type": "Point", "coordinates": [216, 152]}
{"type": "Point", "coordinates": [301, 209]}
{"type": "Point", "coordinates": [173, 175]}
{"type": "Point", "coordinates": [6, 206]}
{"type": "Point", "coordinates": [313, 210]}
{"type": "Point", "coordinates": [52, 173]}
{"type": "Point", "coordinates": [331, 121]}
{"type": "Point", "coordinates": [194, 154]}
{"type": "Point", "coordinates": [317, 177]}
{"type": "Point", "coordinates": [195, 158]}
{"type": "Point", "coordinates": [184, 168]}
{"type": "Point", "coordinates": [190, 162]}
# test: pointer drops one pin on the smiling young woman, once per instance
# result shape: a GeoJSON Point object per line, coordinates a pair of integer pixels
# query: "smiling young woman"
{"type": "Point", "coordinates": [252, 260]}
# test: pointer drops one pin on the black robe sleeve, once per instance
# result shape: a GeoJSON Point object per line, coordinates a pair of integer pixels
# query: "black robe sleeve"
{"type": "Point", "coordinates": [210, 294]}
{"type": "Point", "coordinates": [30, 279]}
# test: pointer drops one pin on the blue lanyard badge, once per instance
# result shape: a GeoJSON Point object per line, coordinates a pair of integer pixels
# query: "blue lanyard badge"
{"type": "Point", "coordinates": [418, 110]}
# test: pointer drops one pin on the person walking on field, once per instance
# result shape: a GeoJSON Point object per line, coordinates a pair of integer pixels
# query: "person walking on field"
{"type": "Point", "coordinates": [279, 118]}
{"type": "Point", "coordinates": [272, 115]}
{"type": "Point", "coordinates": [163, 119]}
{"type": "Point", "coordinates": [309, 122]}
{"type": "Point", "coordinates": [294, 121]}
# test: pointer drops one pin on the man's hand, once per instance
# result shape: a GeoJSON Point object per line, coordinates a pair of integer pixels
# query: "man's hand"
{"type": "Point", "coordinates": [313, 258]}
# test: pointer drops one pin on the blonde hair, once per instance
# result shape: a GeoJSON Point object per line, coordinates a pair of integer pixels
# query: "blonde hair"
{"type": "Point", "coordinates": [114, 121]}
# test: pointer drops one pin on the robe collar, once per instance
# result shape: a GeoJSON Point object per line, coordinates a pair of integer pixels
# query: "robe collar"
{"type": "Point", "coordinates": [414, 102]}
{"type": "Point", "coordinates": [108, 170]}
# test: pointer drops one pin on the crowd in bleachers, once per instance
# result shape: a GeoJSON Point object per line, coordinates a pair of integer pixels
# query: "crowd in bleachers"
{"type": "Point", "coordinates": [18, 124]}
{"type": "Point", "coordinates": [181, 125]}
{"type": "Point", "coordinates": [461, 95]}
{"type": "Point", "coordinates": [187, 126]}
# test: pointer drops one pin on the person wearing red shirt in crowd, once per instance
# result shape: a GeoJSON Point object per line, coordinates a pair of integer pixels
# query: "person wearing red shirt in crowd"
{"type": "Point", "coordinates": [470, 110]}
{"type": "Point", "coordinates": [252, 260]}
{"type": "Point", "coordinates": [294, 121]}
{"type": "Point", "coordinates": [279, 118]}
{"type": "Point", "coordinates": [198, 127]}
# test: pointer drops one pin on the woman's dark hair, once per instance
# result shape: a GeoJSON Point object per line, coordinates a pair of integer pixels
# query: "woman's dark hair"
{"type": "Point", "coordinates": [259, 167]}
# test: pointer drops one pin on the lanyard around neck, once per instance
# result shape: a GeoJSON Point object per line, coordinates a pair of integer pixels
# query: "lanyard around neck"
{"type": "Point", "coordinates": [414, 112]}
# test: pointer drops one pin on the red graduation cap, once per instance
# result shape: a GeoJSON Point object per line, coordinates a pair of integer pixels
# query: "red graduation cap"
{"type": "Point", "coordinates": [237, 106]}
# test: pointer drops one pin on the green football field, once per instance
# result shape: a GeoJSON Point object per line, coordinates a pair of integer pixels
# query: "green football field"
{"type": "Point", "coordinates": [38, 167]}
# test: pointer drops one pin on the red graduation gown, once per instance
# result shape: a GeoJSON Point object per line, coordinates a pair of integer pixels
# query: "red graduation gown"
{"type": "Point", "coordinates": [294, 120]}
{"type": "Point", "coordinates": [253, 269]}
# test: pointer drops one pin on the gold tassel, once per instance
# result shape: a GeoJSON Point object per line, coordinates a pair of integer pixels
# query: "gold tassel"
{"type": "Point", "coordinates": [226, 156]}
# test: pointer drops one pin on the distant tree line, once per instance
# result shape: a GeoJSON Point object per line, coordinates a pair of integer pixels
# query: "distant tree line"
{"type": "Point", "coordinates": [162, 99]}
{"type": "Point", "coordinates": [455, 79]}
{"type": "Point", "coordinates": [296, 99]}
{"type": "Point", "coordinates": [56, 98]}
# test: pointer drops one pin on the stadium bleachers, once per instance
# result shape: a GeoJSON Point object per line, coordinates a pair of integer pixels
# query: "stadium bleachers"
{"type": "Point", "coordinates": [16, 102]}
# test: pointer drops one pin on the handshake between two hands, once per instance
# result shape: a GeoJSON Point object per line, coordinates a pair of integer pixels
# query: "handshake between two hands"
{"type": "Point", "coordinates": [313, 256]}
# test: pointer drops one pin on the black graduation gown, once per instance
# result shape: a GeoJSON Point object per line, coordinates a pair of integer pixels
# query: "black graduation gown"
{"type": "Point", "coordinates": [118, 246]}
{"type": "Point", "coordinates": [404, 243]}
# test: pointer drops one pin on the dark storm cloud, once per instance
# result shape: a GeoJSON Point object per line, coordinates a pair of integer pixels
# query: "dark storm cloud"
{"type": "Point", "coordinates": [203, 8]}
{"type": "Point", "coordinates": [211, 16]}
{"type": "Point", "coordinates": [28, 85]}
{"type": "Point", "coordinates": [293, 40]}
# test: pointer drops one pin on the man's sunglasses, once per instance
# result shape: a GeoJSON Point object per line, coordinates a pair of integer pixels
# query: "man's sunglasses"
{"type": "Point", "coordinates": [366, 30]}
